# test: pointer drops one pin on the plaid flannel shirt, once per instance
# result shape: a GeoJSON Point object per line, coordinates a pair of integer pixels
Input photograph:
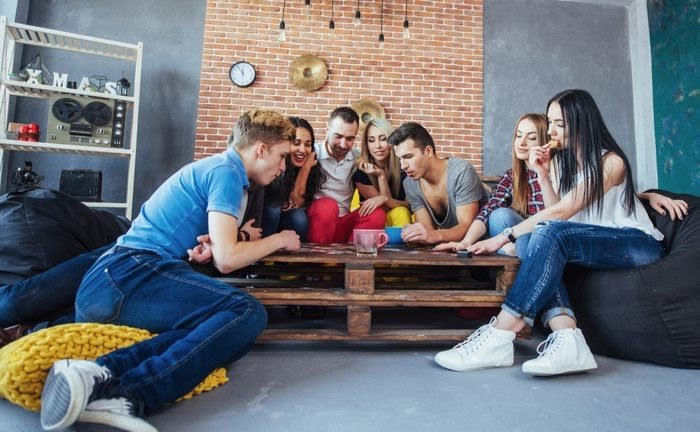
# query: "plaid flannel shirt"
{"type": "Point", "coordinates": [502, 196]}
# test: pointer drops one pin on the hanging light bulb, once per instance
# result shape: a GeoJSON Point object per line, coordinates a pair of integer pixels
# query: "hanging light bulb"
{"type": "Point", "coordinates": [381, 27]}
{"type": "Point", "coordinates": [307, 10]}
{"type": "Point", "coordinates": [406, 32]}
{"type": "Point", "coordinates": [358, 16]}
{"type": "Point", "coordinates": [331, 27]}
{"type": "Point", "coordinates": [331, 24]}
{"type": "Point", "coordinates": [282, 36]}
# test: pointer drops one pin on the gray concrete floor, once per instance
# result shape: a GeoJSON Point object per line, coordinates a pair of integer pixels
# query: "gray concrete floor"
{"type": "Point", "coordinates": [373, 386]}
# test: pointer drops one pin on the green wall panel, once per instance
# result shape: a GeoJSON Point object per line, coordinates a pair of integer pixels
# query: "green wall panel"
{"type": "Point", "coordinates": [675, 51]}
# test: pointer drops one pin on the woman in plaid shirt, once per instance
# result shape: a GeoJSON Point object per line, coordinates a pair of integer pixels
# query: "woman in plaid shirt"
{"type": "Point", "coordinates": [523, 191]}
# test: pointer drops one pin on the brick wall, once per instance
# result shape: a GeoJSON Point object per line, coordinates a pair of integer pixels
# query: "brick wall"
{"type": "Point", "coordinates": [434, 78]}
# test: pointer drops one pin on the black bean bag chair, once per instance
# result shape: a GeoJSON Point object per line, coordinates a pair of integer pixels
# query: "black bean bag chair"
{"type": "Point", "coordinates": [42, 228]}
{"type": "Point", "coordinates": [650, 313]}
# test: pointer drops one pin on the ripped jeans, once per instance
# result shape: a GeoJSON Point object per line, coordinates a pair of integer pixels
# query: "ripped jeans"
{"type": "Point", "coordinates": [538, 287]}
{"type": "Point", "coordinates": [505, 217]}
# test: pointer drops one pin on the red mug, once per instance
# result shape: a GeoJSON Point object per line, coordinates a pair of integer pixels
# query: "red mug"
{"type": "Point", "coordinates": [368, 241]}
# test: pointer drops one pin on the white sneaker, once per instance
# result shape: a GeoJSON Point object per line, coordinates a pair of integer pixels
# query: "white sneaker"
{"type": "Point", "coordinates": [71, 397]}
{"type": "Point", "coordinates": [67, 390]}
{"type": "Point", "coordinates": [118, 413]}
{"type": "Point", "coordinates": [565, 351]}
{"type": "Point", "coordinates": [486, 348]}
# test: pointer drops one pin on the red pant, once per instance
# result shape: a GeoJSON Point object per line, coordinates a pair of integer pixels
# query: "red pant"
{"type": "Point", "coordinates": [326, 226]}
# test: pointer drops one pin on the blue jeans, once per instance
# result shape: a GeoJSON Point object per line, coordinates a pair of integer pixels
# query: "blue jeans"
{"type": "Point", "coordinates": [47, 294]}
{"type": "Point", "coordinates": [276, 220]}
{"type": "Point", "coordinates": [505, 217]}
{"type": "Point", "coordinates": [202, 323]}
{"type": "Point", "coordinates": [538, 287]}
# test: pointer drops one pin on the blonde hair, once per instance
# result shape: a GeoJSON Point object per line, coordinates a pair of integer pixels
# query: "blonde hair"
{"type": "Point", "coordinates": [263, 125]}
{"type": "Point", "coordinates": [393, 170]}
{"type": "Point", "coordinates": [521, 189]}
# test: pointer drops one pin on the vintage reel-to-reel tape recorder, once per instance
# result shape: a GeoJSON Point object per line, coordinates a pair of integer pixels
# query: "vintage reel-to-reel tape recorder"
{"type": "Point", "coordinates": [86, 121]}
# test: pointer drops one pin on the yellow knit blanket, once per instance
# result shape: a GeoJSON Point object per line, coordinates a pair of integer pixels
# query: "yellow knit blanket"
{"type": "Point", "coordinates": [25, 363]}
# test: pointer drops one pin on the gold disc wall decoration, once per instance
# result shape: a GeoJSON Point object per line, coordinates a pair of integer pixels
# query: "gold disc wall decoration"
{"type": "Point", "coordinates": [308, 72]}
{"type": "Point", "coordinates": [368, 109]}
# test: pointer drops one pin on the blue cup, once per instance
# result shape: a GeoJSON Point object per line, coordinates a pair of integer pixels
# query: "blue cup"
{"type": "Point", "coordinates": [394, 234]}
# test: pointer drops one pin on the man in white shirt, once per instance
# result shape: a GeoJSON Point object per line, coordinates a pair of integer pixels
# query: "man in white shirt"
{"type": "Point", "coordinates": [330, 218]}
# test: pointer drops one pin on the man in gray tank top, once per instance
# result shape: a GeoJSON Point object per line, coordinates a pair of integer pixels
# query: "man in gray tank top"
{"type": "Point", "coordinates": [444, 193]}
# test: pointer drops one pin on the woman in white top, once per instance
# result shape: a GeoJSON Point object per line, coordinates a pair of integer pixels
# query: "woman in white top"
{"type": "Point", "coordinates": [598, 223]}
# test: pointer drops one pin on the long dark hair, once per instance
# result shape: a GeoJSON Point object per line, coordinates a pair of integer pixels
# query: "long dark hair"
{"type": "Point", "coordinates": [588, 138]}
{"type": "Point", "coordinates": [279, 190]}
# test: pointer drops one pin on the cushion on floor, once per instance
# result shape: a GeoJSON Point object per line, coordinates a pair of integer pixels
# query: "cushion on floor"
{"type": "Point", "coordinates": [25, 363]}
{"type": "Point", "coordinates": [44, 227]}
{"type": "Point", "coordinates": [650, 313]}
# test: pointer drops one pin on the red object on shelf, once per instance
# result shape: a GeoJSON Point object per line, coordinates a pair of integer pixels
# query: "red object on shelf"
{"type": "Point", "coordinates": [29, 132]}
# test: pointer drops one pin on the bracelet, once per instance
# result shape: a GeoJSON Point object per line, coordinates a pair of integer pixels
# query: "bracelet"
{"type": "Point", "coordinates": [508, 232]}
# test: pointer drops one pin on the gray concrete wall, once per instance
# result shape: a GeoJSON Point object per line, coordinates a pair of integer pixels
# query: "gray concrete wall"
{"type": "Point", "coordinates": [172, 33]}
{"type": "Point", "coordinates": [14, 10]}
{"type": "Point", "coordinates": [535, 48]}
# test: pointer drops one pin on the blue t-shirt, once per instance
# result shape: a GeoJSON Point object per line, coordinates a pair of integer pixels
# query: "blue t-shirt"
{"type": "Point", "coordinates": [171, 220]}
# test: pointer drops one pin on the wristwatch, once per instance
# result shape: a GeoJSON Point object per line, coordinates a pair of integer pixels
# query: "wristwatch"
{"type": "Point", "coordinates": [508, 232]}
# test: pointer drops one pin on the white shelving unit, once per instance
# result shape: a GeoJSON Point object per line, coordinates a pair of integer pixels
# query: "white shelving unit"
{"type": "Point", "coordinates": [14, 33]}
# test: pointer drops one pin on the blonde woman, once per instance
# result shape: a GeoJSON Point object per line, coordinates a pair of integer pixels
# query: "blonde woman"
{"type": "Point", "coordinates": [379, 178]}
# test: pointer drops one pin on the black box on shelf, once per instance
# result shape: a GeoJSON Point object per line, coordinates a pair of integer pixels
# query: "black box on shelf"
{"type": "Point", "coordinates": [85, 185]}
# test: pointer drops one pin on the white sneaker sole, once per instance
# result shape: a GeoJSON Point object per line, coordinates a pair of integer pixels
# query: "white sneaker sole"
{"type": "Point", "coordinates": [452, 367]}
{"type": "Point", "coordinates": [113, 422]}
{"type": "Point", "coordinates": [62, 399]}
{"type": "Point", "coordinates": [542, 371]}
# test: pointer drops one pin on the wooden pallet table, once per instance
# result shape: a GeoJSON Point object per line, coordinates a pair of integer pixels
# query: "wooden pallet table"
{"type": "Point", "coordinates": [334, 276]}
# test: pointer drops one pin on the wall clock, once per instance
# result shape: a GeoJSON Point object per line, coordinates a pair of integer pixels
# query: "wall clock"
{"type": "Point", "coordinates": [242, 74]}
